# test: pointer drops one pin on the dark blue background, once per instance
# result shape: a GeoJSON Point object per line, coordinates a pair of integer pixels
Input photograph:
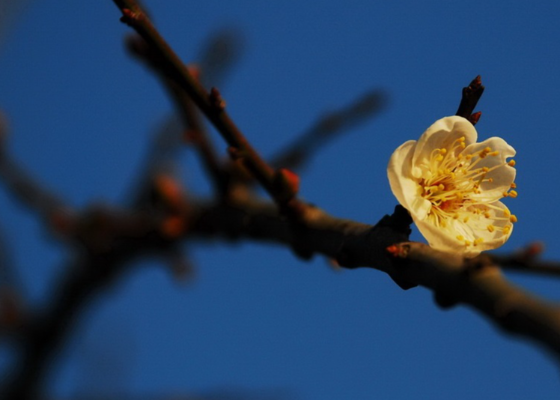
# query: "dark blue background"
{"type": "Point", "coordinates": [256, 319]}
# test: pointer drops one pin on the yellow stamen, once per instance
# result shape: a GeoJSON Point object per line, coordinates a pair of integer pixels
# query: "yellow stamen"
{"type": "Point", "coordinates": [512, 194]}
{"type": "Point", "coordinates": [490, 228]}
{"type": "Point", "coordinates": [512, 218]}
{"type": "Point", "coordinates": [511, 163]}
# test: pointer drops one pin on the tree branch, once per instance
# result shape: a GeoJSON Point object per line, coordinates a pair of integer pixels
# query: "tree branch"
{"type": "Point", "coordinates": [471, 95]}
{"type": "Point", "coordinates": [213, 106]}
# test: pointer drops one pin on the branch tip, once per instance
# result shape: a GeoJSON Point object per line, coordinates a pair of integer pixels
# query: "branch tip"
{"type": "Point", "coordinates": [470, 96]}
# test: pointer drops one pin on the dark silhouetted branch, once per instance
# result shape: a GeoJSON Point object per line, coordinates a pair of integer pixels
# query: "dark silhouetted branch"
{"type": "Point", "coordinates": [471, 95]}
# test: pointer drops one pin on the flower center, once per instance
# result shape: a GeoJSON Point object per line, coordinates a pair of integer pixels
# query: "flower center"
{"type": "Point", "coordinates": [451, 183]}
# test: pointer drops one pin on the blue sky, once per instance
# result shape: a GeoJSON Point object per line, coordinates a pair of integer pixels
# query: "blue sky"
{"type": "Point", "coordinates": [256, 319]}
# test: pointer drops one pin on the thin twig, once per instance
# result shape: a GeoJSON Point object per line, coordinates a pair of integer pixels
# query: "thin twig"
{"type": "Point", "coordinates": [527, 260]}
{"type": "Point", "coordinates": [213, 106]}
{"type": "Point", "coordinates": [195, 132]}
{"type": "Point", "coordinates": [50, 208]}
{"type": "Point", "coordinates": [471, 95]}
{"type": "Point", "coordinates": [327, 127]}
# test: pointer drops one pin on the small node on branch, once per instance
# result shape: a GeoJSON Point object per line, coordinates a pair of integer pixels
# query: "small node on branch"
{"type": "Point", "coordinates": [286, 184]}
{"type": "Point", "coordinates": [130, 17]}
{"type": "Point", "coordinates": [475, 117]}
{"type": "Point", "coordinates": [534, 249]}
{"type": "Point", "coordinates": [394, 250]}
{"type": "Point", "coordinates": [235, 153]}
{"type": "Point", "coordinates": [170, 192]}
{"type": "Point", "coordinates": [173, 226]}
{"type": "Point", "coordinates": [216, 100]}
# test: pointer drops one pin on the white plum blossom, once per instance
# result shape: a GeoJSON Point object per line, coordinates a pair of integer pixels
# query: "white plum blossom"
{"type": "Point", "coordinates": [452, 186]}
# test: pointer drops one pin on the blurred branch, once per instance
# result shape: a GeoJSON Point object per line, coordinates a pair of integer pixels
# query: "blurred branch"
{"type": "Point", "coordinates": [109, 241]}
{"type": "Point", "coordinates": [326, 128]}
{"type": "Point", "coordinates": [279, 184]}
{"type": "Point", "coordinates": [527, 260]}
{"type": "Point", "coordinates": [480, 284]}
{"type": "Point", "coordinates": [195, 132]}
{"type": "Point", "coordinates": [29, 192]}
{"type": "Point", "coordinates": [218, 55]}
{"type": "Point", "coordinates": [161, 159]}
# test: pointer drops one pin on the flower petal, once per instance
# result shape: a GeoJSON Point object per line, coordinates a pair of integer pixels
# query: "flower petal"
{"type": "Point", "coordinates": [439, 238]}
{"type": "Point", "coordinates": [447, 238]}
{"type": "Point", "coordinates": [501, 174]}
{"type": "Point", "coordinates": [441, 135]}
{"type": "Point", "coordinates": [398, 171]}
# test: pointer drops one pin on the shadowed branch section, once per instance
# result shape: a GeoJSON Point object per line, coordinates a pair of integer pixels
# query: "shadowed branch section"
{"type": "Point", "coordinates": [454, 280]}
{"type": "Point", "coordinates": [480, 284]}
